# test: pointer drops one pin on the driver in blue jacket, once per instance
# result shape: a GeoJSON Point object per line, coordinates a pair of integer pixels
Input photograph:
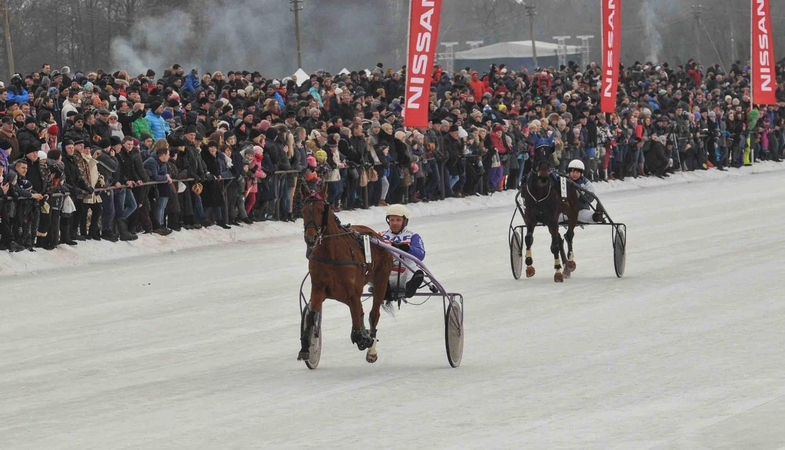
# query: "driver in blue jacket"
{"type": "Point", "coordinates": [585, 213]}
{"type": "Point", "coordinates": [401, 237]}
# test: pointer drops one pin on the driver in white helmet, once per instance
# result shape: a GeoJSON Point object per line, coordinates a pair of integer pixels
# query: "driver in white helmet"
{"type": "Point", "coordinates": [585, 213]}
{"type": "Point", "coordinates": [402, 238]}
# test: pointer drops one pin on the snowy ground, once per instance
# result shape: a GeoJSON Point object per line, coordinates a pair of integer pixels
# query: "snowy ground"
{"type": "Point", "coordinates": [197, 348]}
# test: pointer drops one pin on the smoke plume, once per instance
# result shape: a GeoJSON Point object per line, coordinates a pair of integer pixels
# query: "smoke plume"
{"type": "Point", "coordinates": [259, 35]}
{"type": "Point", "coordinates": [653, 40]}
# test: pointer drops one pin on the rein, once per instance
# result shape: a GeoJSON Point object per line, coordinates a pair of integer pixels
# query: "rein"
{"type": "Point", "coordinates": [320, 235]}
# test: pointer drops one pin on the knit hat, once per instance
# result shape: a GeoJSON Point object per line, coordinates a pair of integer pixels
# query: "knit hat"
{"type": "Point", "coordinates": [167, 115]}
{"type": "Point", "coordinates": [54, 154]}
{"type": "Point", "coordinates": [5, 144]}
{"type": "Point", "coordinates": [271, 133]}
{"type": "Point", "coordinates": [155, 105]}
{"type": "Point", "coordinates": [254, 133]}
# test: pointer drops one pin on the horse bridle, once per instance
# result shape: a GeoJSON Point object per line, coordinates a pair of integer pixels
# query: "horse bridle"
{"type": "Point", "coordinates": [312, 224]}
{"type": "Point", "coordinates": [534, 170]}
{"type": "Point", "coordinates": [320, 230]}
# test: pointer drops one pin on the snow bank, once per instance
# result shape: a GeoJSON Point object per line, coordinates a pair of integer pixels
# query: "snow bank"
{"type": "Point", "coordinates": [90, 252]}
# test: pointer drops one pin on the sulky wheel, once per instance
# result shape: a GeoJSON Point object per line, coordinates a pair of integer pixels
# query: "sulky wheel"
{"type": "Point", "coordinates": [516, 252]}
{"type": "Point", "coordinates": [619, 249]}
{"type": "Point", "coordinates": [453, 333]}
{"type": "Point", "coordinates": [315, 351]}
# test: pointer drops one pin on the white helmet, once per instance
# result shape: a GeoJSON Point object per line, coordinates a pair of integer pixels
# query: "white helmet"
{"type": "Point", "coordinates": [577, 164]}
{"type": "Point", "coordinates": [398, 210]}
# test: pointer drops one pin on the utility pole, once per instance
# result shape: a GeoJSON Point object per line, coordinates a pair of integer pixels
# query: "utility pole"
{"type": "Point", "coordinates": [296, 9]}
{"type": "Point", "coordinates": [9, 47]}
{"type": "Point", "coordinates": [732, 44]}
{"type": "Point", "coordinates": [531, 13]}
{"type": "Point", "coordinates": [696, 12]}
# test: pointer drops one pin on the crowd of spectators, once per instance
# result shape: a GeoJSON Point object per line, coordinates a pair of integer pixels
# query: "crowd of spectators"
{"type": "Point", "coordinates": [107, 156]}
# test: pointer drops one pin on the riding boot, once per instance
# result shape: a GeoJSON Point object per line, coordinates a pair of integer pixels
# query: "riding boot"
{"type": "Point", "coordinates": [125, 235]}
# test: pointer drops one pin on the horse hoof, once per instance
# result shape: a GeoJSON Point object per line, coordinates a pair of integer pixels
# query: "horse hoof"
{"type": "Point", "coordinates": [566, 273]}
{"type": "Point", "coordinates": [571, 266]}
{"type": "Point", "coordinates": [371, 358]}
{"type": "Point", "coordinates": [558, 277]}
{"type": "Point", "coordinates": [303, 356]}
{"type": "Point", "coordinates": [529, 271]}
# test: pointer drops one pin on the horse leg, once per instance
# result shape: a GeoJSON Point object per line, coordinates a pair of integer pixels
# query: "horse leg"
{"type": "Point", "coordinates": [529, 239]}
{"type": "Point", "coordinates": [568, 236]}
{"type": "Point", "coordinates": [360, 335]}
{"type": "Point", "coordinates": [555, 249]}
{"type": "Point", "coordinates": [311, 319]}
{"type": "Point", "coordinates": [380, 282]}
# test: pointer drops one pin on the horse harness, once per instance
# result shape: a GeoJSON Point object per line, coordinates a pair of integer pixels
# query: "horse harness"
{"type": "Point", "coordinates": [345, 231]}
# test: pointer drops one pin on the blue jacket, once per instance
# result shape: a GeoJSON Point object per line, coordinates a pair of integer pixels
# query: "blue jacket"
{"type": "Point", "coordinates": [279, 99]}
{"type": "Point", "coordinates": [191, 83]}
{"type": "Point", "coordinates": [158, 125]}
{"type": "Point", "coordinates": [587, 195]}
{"type": "Point", "coordinates": [407, 236]}
{"type": "Point", "coordinates": [316, 96]}
{"type": "Point", "coordinates": [158, 172]}
{"type": "Point", "coordinates": [20, 98]}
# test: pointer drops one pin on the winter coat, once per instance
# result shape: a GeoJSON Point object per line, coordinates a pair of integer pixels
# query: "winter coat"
{"type": "Point", "coordinates": [159, 170]}
{"type": "Point", "coordinates": [102, 129]}
{"type": "Point", "coordinates": [15, 153]}
{"type": "Point", "coordinates": [28, 138]}
{"type": "Point", "coordinates": [108, 167]}
{"type": "Point", "coordinates": [88, 170]}
{"type": "Point", "coordinates": [158, 125]}
{"type": "Point", "coordinates": [211, 194]}
{"type": "Point", "coordinates": [78, 134]}
{"type": "Point", "coordinates": [140, 126]}
{"type": "Point", "coordinates": [76, 183]}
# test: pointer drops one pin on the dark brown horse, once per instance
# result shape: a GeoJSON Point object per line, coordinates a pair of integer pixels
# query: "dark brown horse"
{"type": "Point", "coordinates": [543, 203]}
{"type": "Point", "coordinates": [338, 269]}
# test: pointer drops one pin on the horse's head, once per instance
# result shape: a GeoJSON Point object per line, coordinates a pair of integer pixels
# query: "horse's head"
{"type": "Point", "coordinates": [543, 160]}
{"type": "Point", "coordinates": [316, 213]}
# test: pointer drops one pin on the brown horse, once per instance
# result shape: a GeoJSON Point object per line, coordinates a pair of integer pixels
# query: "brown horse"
{"type": "Point", "coordinates": [338, 269]}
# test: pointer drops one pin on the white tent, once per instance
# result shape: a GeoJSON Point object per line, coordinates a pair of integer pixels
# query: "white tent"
{"type": "Point", "coordinates": [514, 54]}
{"type": "Point", "coordinates": [515, 49]}
{"type": "Point", "coordinates": [344, 71]}
{"type": "Point", "coordinates": [301, 76]}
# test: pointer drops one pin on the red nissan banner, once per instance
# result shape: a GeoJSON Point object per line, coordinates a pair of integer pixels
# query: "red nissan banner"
{"type": "Point", "coordinates": [764, 81]}
{"type": "Point", "coordinates": [423, 36]}
{"type": "Point", "coordinates": [611, 51]}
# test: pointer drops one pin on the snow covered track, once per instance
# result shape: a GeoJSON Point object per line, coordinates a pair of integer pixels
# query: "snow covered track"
{"type": "Point", "coordinates": [197, 349]}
